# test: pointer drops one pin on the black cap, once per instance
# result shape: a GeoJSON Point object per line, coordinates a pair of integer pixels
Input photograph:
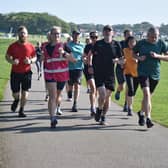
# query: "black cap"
{"type": "Point", "coordinates": [94, 33]}
{"type": "Point", "coordinates": [75, 32]}
{"type": "Point", "coordinates": [107, 27]}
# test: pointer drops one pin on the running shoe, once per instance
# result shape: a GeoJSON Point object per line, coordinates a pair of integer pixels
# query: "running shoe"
{"type": "Point", "coordinates": [149, 123]}
{"type": "Point", "coordinates": [98, 114]}
{"type": "Point", "coordinates": [74, 108]}
{"type": "Point", "coordinates": [14, 105]}
{"type": "Point", "coordinates": [117, 95]}
{"type": "Point", "coordinates": [141, 120]}
{"type": "Point", "coordinates": [54, 123]}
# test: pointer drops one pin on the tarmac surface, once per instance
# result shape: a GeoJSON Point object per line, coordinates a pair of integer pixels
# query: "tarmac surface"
{"type": "Point", "coordinates": [78, 141]}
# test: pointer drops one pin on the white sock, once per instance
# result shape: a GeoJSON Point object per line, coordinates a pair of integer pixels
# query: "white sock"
{"type": "Point", "coordinates": [148, 115]}
{"type": "Point", "coordinates": [142, 113]}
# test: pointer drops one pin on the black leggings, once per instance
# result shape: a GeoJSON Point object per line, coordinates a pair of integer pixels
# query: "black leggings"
{"type": "Point", "coordinates": [132, 84]}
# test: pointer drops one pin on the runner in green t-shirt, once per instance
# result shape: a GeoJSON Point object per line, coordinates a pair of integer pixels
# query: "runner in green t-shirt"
{"type": "Point", "coordinates": [149, 53]}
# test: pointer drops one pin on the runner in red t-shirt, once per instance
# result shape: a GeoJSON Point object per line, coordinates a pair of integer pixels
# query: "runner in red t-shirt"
{"type": "Point", "coordinates": [20, 54]}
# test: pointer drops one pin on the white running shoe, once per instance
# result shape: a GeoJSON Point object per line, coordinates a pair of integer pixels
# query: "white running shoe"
{"type": "Point", "coordinates": [58, 111]}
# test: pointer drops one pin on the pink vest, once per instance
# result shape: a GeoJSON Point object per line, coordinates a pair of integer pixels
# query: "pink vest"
{"type": "Point", "coordinates": [55, 67]}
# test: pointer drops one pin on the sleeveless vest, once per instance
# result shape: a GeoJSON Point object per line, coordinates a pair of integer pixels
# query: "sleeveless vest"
{"type": "Point", "coordinates": [55, 66]}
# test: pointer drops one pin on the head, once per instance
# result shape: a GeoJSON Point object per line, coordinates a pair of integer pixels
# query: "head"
{"type": "Point", "coordinates": [93, 36]}
{"type": "Point", "coordinates": [55, 34]}
{"type": "Point", "coordinates": [131, 42]}
{"type": "Point", "coordinates": [108, 32]}
{"type": "Point", "coordinates": [75, 35]}
{"type": "Point", "coordinates": [38, 44]}
{"type": "Point", "coordinates": [22, 34]}
{"type": "Point", "coordinates": [69, 39]}
{"type": "Point", "coordinates": [127, 33]}
{"type": "Point", "coordinates": [87, 40]}
{"type": "Point", "coordinates": [153, 34]}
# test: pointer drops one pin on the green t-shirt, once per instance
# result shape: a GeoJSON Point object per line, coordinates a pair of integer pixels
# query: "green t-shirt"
{"type": "Point", "coordinates": [150, 67]}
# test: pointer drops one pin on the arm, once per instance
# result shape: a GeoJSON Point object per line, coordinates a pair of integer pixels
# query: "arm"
{"type": "Point", "coordinates": [29, 60]}
{"type": "Point", "coordinates": [10, 60]}
{"type": "Point", "coordinates": [158, 56]}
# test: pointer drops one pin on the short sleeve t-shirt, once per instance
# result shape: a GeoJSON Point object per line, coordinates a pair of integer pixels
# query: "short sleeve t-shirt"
{"type": "Point", "coordinates": [77, 52]}
{"type": "Point", "coordinates": [150, 67]}
{"type": "Point", "coordinates": [21, 51]}
{"type": "Point", "coordinates": [103, 55]}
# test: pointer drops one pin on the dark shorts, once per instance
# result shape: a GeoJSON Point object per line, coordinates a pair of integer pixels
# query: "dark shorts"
{"type": "Point", "coordinates": [88, 76]}
{"type": "Point", "coordinates": [75, 76]}
{"type": "Point", "coordinates": [148, 82]}
{"type": "Point", "coordinates": [60, 85]}
{"type": "Point", "coordinates": [108, 82]}
{"type": "Point", "coordinates": [20, 80]}
{"type": "Point", "coordinates": [132, 84]}
{"type": "Point", "coordinates": [120, 75]}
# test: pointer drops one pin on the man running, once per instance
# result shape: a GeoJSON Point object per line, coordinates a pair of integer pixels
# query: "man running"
{"type": "Point", "coordinates": [105, 51]}
{"type": "Point", "coordinates": [21, 54]}
{"type": "Point", "coordinates": [149, 53]}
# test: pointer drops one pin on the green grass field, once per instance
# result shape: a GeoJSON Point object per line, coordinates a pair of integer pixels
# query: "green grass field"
{"type": "Point", "coordinates": [159, 100]}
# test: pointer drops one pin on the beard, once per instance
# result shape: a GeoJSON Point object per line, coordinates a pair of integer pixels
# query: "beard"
{"type": "Point", "coordinates": [22, 39]}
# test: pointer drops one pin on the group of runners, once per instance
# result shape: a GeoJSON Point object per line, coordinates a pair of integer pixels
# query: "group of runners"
{"type": "Point", "coordinates": [102, 60]}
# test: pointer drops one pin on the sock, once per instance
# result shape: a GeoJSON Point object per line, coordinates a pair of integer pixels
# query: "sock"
{"type": "Point", "coordinates": [74, 102]}
{"type": "Point", "coordinates": [70, 94]}
{"type": "Point", "coordinates": [21, 110]}
{"type": "Point", "coordinates": [149, 115]}
{"type": "Point", "coordinates": [142, 113]}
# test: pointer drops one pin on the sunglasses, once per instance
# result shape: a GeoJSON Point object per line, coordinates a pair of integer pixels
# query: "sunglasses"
{"type": "Point", "coordinates": [93, 37]}
{"type": "Point", "coordinates": [107, 29]}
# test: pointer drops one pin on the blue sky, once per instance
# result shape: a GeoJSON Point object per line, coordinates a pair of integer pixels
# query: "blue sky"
{"type": "Point", "coordinates": [95, 11]}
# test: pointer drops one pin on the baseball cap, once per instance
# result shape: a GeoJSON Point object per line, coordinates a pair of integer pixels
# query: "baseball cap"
{"type": "Point", "coordinates": [107, 27]}
{"type": "Point", "coordinates": [75, 32]}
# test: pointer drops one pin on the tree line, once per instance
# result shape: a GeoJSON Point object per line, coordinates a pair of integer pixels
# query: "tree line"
{"type": "Point", "coordinates": [40, 23]}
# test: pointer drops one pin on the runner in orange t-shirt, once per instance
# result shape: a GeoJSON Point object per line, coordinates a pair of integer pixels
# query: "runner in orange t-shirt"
{"type": "Point", "coordinates": [130, 72]}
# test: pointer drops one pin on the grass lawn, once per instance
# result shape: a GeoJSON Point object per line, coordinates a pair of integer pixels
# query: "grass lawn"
{"type": "Point", "coordinates": [4, 65]}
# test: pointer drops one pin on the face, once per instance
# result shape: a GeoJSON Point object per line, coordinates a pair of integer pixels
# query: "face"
{"type": "Point", "coordinates": [93, 37]}
{"type": "Point", "coordinates": [23, 34]}
{"type": "Point", "coordinates": [153, 37]}
{"type": "Point", "coordinates": [87, 41]}
{"type": "Point", "coordinates": [55, 35]}
{"type": "Point", "coordinates": [131, 43]}
{"type": "Point", "coordinates": [128, 34]}
{"type": "Point", "coordinates": [75, 36]}
{"type": "Point", "coordinates": [107, 33]}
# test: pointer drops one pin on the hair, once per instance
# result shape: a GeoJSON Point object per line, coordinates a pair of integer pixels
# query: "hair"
{"type": "Point", "coordinates": [55, 28]}
{"type": "Point", "coordinates": [93, 32]}
{"type": "Point", "coordinates": [20, 28]}
{"type": "Point", "coordinates": [153, 30]}
{"type": "Point", "coordinates": [127, 31]}
{"type": "Point", "coordinates": [128, 39]}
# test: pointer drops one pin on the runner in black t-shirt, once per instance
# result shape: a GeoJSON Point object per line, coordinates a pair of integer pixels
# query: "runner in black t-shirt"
{"type": "Point", "coordinates": [89, 77]}
{"type": "Point", "coordinates": [105, 52]}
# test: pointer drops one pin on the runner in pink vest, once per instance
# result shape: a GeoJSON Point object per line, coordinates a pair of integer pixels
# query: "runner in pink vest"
{"type": "Point", "coordinates": [56, 71]}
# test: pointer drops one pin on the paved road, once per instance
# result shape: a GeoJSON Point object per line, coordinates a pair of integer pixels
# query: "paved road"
{"type": "Point", "coordinates": [77, 142]}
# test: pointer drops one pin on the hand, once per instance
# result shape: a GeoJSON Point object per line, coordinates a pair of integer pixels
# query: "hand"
{"type": "Point", "coordinates": [115, 60]}
{"type": "Point", "coordinates": [122, 61]}
{"type": "Point", "coordinates": [27, 60]}
{"type": "Point", "coordinates": [61, 51]}
{"type": "Point", "coordinates": [153, 54]}
{"type": "Point", "coordinates": [142, 58]}
{"type": "Point", "coordinates": [15, 61]}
